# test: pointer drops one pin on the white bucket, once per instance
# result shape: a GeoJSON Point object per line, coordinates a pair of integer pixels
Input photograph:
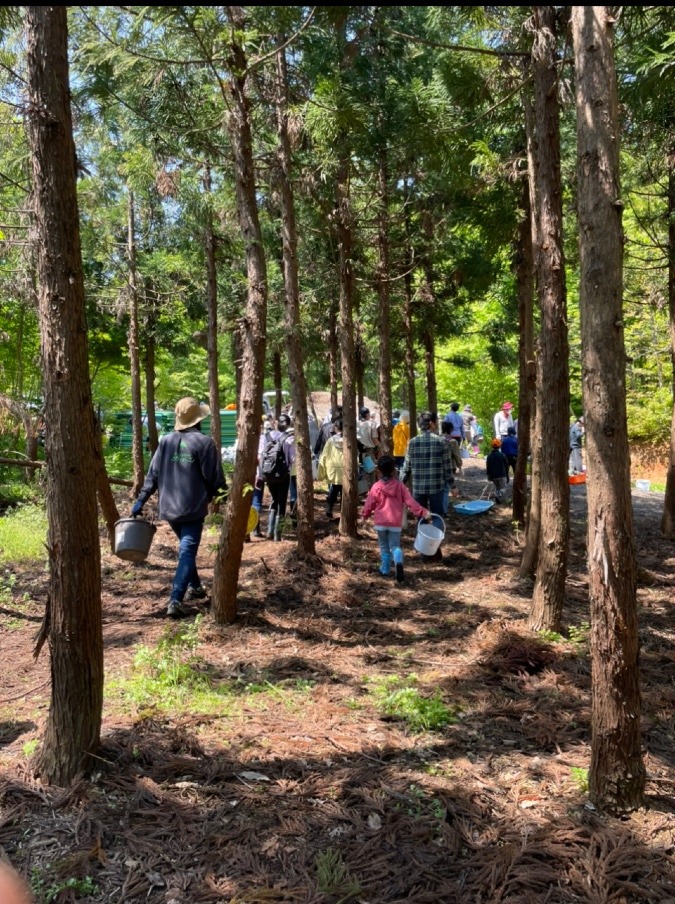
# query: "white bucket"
{"type": "Point", "coordinates": [362, 486]}
{"type": "Point", "coordinates": [644, 485]}
{"type": "Point", "coordinates": [429, 538]}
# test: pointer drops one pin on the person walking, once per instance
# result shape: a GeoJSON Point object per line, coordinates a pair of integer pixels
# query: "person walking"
{"type": "Point", "coordinates": [428, 462]}
{"type": "Point", "coordinates": [577, 430]}
{"type": "Point", "coordinates": [497, 469]}
{"type": "Point", "coordinates": [510, 448]}
{"type": "Point", "coordinates": [277, 464]}
{"type": "Point", "coordinates": [503, 420]}
{"type": "Point", "coordinates": [187, 471]}
{"type": "Point", "coordinates": [385, 502]}
{"type": "Point", "coordinates": [331, 466]}
{"type": "Point", "coordinates": [401, 438]}
{"type": "Point", "coordinates": [456, 421]}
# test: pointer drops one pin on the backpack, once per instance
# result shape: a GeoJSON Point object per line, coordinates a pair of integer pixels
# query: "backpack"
{"type": "Point", "coordinates": [274, 464]}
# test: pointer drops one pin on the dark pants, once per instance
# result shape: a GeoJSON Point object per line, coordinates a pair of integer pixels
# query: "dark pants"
{"type": "Point", "coordinates": [189, 534]}
{"type": "Point", "coordinates": [333, 494]}
{"type": "Point", "coordinates": [279, 492]}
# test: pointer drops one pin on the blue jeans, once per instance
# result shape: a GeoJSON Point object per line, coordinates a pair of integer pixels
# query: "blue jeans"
{"type": "Point", "coordinates": [389, 539]}
{"type": "Point", "coordinates": [435, 502]}
{"type": "Point", "coordinates": [189, 534]}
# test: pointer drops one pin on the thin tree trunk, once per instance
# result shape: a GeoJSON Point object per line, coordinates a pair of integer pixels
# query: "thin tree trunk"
{"type": "Point", "coordinates": [237, 357]}
{"type": "Point", "coordinates": [617, 772]}
{"type": "Point", "coordinates": [528, 565]}
{"type": "Point", "coordinates": [384, 307]}
{"type": "Point", "coordinates": [359, 367]}
{"type": "Point", "coordinates": [72, 621]}
{"type": "Point", "coordinates": [350, 499]}
{"type": "Point", "coordinates": [430, 368]}
{"type": "Point", "coordinates": [408, 331]}
{"type": "Point", "coordinates": [134, 354]}
{"type": "Point", "coordinates": [554, 398]}
{"type": "Point", "coordinates": [276, 371]}
{"type": "Point", "coordinates": [251, 333]}
{"type": "Point", "coordinates": [526, 370]}
{"type": "Point", "coordinates": [305, 503]}
{"type": "Point", "coordinates": [150, 377]}
{"type": "Point", "coordinates": [668, 517]}
{"type": "Point", "coordinates": [106, 500]}
{"type": "Point", "coordinates": [333, 352]}
{"type": "Point", "coordinates": [211, 313]}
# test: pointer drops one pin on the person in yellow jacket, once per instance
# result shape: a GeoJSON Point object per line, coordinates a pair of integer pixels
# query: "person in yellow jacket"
{"type": "Point", "coordinates": [401, 437]}
{"type": "Point", "coordinates": [331, 466]}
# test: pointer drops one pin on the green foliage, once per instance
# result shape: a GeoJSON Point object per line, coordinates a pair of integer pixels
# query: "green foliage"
{"type": "Point", "coordinates": [332, 876]}
{"type": "Point", "coordinates": [579, 634]}
{"type": "Point", "coordinates": [399, 698]}
{"type": "Point", "coordinates": [580, 778]}
{"type": "Point", "coordinates": [23, 533]}
{"type": "Point", "coordinates": [30, 747]}
{"type": "Point", "coordinates": [47, 891]}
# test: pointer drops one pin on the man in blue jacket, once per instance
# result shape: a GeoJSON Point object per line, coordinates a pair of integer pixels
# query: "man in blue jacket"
{"type": "Point", "coordinates": [187, 471]}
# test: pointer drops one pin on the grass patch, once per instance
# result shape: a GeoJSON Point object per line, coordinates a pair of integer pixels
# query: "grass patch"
{"type": "Point", "coordinates": [173, 678]}
{"type": "Point", "coordinates": [580, 778]}
{"type": "Point", "coordinates": [399, 698]}
{"type": "Point", "coordinates": [23, 533]}
{"type": "Point", "coordinates": [333, 877]}
{"type": "Point", "coordinates": [48, 891]}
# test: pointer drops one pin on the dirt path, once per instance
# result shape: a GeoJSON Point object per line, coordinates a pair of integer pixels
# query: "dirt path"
{"type": "Point", "coordinates": [288, 763]}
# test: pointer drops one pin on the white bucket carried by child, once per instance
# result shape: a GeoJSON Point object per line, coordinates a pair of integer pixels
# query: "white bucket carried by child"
{"type": "Point", "coordinates": [429, 537]}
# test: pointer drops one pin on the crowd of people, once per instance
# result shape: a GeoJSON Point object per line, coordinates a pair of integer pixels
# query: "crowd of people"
{"type": "Point", "coordinates": [420, 476]}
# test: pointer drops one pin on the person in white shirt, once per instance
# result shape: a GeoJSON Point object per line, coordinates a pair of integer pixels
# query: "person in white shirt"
{"type": "Point", "coordinates": [503, 420]}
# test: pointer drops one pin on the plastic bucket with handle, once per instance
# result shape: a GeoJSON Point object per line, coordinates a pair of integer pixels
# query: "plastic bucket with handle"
{"type": "Point", "coordinates": [429, 536]}
{"type": "Point", "coordinates": [133, 537]}
{"type": "Point", "coordinates": [368, 464]}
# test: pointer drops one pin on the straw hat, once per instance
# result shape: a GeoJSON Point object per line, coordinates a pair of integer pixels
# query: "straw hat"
{"type": "Point", "coordinates": [190, 412]}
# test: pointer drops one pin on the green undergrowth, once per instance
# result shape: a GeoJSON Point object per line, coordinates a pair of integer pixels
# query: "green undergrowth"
{"type": "Point", "coordinates": [399, 698]}
{"type": "Point", "coordinates": [173, 678]}
{"type": "Point", "coordinates": [23, 534]}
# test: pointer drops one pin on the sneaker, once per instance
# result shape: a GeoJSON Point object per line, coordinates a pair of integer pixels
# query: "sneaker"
{"type": "Point", "coordinates": [196, 593]}
{"type": "Point", "coordinates": [175, 609]}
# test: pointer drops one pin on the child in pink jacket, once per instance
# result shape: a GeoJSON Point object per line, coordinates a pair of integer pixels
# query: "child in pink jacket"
{"type": "Point", "coordinates": [385, 503]}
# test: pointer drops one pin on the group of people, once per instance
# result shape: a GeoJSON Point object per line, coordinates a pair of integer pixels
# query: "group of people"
{"type": "Point", "coordinates": [187, 471]}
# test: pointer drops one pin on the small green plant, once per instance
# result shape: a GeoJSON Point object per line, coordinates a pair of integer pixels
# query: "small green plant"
{"type": "Point", "coordinates": [333, 877]}
{"type": "Point", "coordinates": [30, 747]}
{"type": "Point", "coordinates": [580, 778]}
{"type": "Point", "coordinates": [550, 636]}
{"type": "Point", "coordinates": [47, 893]}
{"type": "Point", "coordinates": [400, 699]}
{"type": "Point", "coordinates": [579, 635]}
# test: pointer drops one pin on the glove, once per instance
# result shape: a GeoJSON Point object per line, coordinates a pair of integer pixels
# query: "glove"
{"type": "Point", "coordinates": [136, 508]}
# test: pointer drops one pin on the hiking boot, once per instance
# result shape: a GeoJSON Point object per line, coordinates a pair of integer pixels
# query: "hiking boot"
{"type": "Point", "coordinates": [329, 513]}
{"type": "Point", "coordinates": [257, 532]}
{"type": "Point", "coordinates": [175, 609]}
{"type": "Point", "coordinates": [196, 593]}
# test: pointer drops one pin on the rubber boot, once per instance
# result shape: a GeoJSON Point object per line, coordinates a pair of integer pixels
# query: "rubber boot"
{"type": "Point", "coordinates": [271, 524]}
{"type": "Point", "coordinates": [398, 562]}
{"type": "Point", "coordinates": [278, 523]}
{"type": "Point", "coordinates": [385, 564]}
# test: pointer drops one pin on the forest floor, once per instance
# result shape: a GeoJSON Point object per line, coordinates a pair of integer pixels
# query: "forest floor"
{"type": "Point", "coordinates": [348, 738]}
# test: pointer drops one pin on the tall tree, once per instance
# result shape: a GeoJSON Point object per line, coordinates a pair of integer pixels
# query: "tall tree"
{"type": "Point", "coordinates": [211, 310]}
{"type": "Point", "coordinates": [553, 395]}
{"type": "Point", "coordinates": [72, 622]}
{"type": "Point", "coordinates": [251, 329]}
{"type": "Point", "coordinates": [617, 773]}
{"type": "Point", "coordinates": [134, 351]}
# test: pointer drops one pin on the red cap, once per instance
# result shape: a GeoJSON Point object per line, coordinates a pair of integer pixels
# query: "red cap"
{"type": "Point", "coordinates": [507, 406]}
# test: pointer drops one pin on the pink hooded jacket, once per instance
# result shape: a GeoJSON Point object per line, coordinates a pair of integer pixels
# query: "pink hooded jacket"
{"type": "Point", "coordinates": [386, 500]}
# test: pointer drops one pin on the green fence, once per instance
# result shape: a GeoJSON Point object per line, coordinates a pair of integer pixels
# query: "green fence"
{"type": "Point", "coordinates": [120, 435]}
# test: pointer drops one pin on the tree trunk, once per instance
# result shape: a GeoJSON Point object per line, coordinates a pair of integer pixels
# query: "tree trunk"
{"type": "Point", "coordinates": [384, 307]}
{"type": "Point", "coordinates": [408, 331]}
{"type": "Point", "coordinates": [211, 313]}
{"type": "Point", "coordinates": [359, 366]}
{"type": "Point", "coordinates": [251, 333]}
{"type": "Point", "coordinates": [72, 620]}
{"type": "Point", "coordinates": [333, 351]}
{"type": "Point", "coordinates": [237, 356]}
{"type": "Point", "coordinates": [528, 565]}
{"type": "Point", "coordinates": [527, 368]}
{"type": "Point", "coordinates": [150, 376]}
{"type": "Point", "coordinates": [430, 367]}
{"type": "Point", "coordinates": [350, 498]}
{"type": "Point", "coordinates": [289, 235]}
{"type": "Point", "coordinates": [276, 371]}
{"type": "Point", "coordinates": [617, 772]}
{"type": "Point", "coordinates": [554, 399]}
{"type": "Point", "coordinates": [668, 517]}
{"type": "Point", "coordinates": [134, 354]}
{"type": "Point", "coordinates": [106, 500]}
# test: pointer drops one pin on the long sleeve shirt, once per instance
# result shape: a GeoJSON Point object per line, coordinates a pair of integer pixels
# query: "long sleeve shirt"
{"type": "Point", "coordinates": [429, 461]}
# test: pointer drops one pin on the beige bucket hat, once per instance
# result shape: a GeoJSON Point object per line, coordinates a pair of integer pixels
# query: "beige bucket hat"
{"type": "Point", "coordinates": [190, 412]}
